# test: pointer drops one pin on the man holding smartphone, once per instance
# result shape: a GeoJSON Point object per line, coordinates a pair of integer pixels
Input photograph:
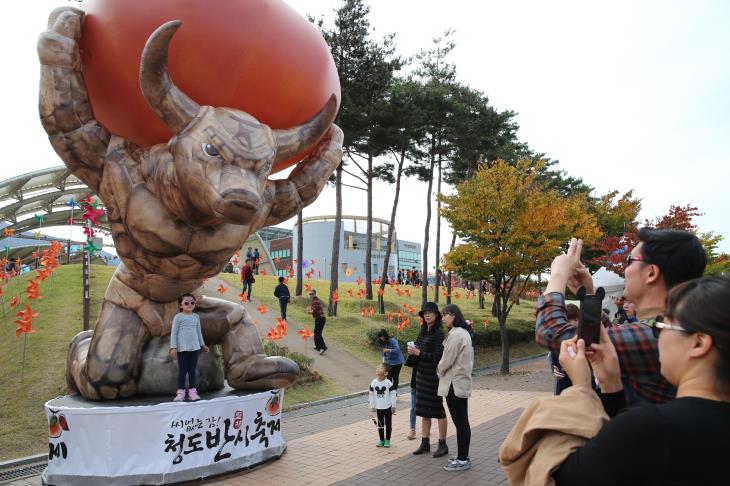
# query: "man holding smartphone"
{"type": "Point", "coordinates": [662, 259]}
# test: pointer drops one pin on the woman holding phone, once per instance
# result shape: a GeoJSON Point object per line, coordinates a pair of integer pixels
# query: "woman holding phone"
{"type": "Point", "coordinates": [682, 442]}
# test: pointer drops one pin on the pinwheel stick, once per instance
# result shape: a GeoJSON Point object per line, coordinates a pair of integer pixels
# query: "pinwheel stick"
{"type": "Point", "coordinates": [22, 365]}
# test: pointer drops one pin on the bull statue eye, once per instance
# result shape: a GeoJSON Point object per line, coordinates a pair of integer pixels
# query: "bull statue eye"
{"type": "Point", "coordinates": [210, 150]}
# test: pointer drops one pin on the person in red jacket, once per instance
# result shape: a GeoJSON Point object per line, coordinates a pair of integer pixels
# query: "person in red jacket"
{"type": "Point", "coordinates": [247, 278]}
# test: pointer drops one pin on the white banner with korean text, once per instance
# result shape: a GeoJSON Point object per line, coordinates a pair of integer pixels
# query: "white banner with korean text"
{"type": "Point", "coordinates": [162, 439]}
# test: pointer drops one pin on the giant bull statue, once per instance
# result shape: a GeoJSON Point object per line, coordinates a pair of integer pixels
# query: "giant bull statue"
{"type": "Point", "coordinates": [178, 211]}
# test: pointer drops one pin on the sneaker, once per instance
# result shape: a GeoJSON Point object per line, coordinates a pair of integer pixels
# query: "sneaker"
{"type": "Point", "coordinates": [411, 435]}
{"type": "Point", "coordinates": [322, 351]}
{"type": "Point", "coordinates": [193, 395]}
{"type": "Point", "coordinates": [458, 465]}
{"type": "Point", "coordinates": [386, 444]}
{"type": "Point", "coordinates": [180, 396]}
{"type": "Point", "coordinates": [381, 443]}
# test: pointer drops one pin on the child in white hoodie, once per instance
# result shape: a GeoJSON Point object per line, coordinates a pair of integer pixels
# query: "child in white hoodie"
{"type": "Point", "coordinates": [382, 400]}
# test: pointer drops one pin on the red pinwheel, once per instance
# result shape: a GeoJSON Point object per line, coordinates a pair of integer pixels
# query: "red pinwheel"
{"type": "Point", "coordinates": [33, 290]}
{"type": "Point", "coordinates": [335, 296]}
{"type": "Point", "coordinates": [305, 333]}
{"type": "Point", "coordinates": [262, 309]}
{"type": "Point", "coordinates": [221, 289]}
{"type": "Point", "coordinates": [24, 320]}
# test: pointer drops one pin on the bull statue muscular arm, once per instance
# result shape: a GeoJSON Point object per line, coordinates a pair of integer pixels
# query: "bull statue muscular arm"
{"type": "Point", "coordinates": [177, 211]}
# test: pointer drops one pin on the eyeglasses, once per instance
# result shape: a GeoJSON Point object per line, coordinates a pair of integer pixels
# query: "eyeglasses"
{"type": "Point", "coordinates": [658, 325]}
{"type": "Point", "coordinates": [188, 303]}
{"type": "Point", "coordinates": [635, 258]}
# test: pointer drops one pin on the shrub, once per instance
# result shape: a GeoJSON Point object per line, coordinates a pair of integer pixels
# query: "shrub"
{"type": "Point", "coordinates": [307, 374]}
{"type": "Point", "coordinates": [518, 332]}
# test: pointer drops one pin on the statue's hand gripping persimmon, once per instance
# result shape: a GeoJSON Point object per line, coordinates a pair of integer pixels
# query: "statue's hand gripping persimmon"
{"type": "Point", "coordinates": [178, 211]}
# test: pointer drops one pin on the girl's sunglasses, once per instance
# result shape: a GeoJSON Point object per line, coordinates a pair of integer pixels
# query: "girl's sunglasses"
{"type": "Point", "coordinates": [188, 303]}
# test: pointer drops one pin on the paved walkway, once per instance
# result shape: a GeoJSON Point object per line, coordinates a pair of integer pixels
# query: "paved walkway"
{"type": "Point", "coordinates": [348, 372]}
{"type": "Point", "coordinates": [334, 443]}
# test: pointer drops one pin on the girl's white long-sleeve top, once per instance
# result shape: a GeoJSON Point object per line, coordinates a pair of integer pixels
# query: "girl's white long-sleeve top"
{"type": "Point", "coordinates": [382, 394]}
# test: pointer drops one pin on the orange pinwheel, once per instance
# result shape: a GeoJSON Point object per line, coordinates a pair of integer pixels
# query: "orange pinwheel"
{"type": "Point", "coordinates": [335, 296]}
{"type": "Point", "coordinates": [359, 280]}
{"type": "Point", "coordinates": [307, 287]}
{"type": "Point", "coordinates": [486, 323]}
{"type": "Point", "coordinates": [361, 293]}
{"type": "Point", "coordinates": [33, 290]}
{"type": "Point", "coordinates": [372, 311]}
{"type": "Point", "coordinates": [408, 292]}
{"type": "Point", "coordinates": [24, 320]}
{"type": "Point", "coordinates": [363, 312]}
{"type": "Point", "coordinates": [286, 280]}
{"type": "Point", "coordinates": [243, 297]}
{"type": "Point", "coordinates": [398, 291]}
{"type": "Point", "coordinates": [457, 295]}
{"type": "Point", "coordinates": [34, 255]}
{"type": "Point", "coordinates": [274, 334]}
{"type": "Point", "coordinates": [349, 292]}
{"type": "Point", "coordinates": [221, 289]}
{"type": "Point", "coordinates": [381, 292]}
{"type": "Point", "coordinates": [14, 302]}
{"type": "Point", "coordinates": [348, 272]}
{"type": "Point", "coordinates": [281, 326]}
{"type": "Point", "coordinates": [390, 317]}
{"type": "Point", "coordinates": [305, 333]}
{"type": "Point", "coordinates": [262, 309]}
{"type": "Point", "coordinates": [263, 272]}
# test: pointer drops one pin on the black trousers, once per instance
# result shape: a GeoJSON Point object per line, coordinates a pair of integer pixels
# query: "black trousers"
{"type": "Point", "coordinates": [385, 421]}
{"type": "Point", "coordinates": [319, 343]}
{"type": "Point", "coordinates": [394, 374]}
{"type": "Point", "coordinates": [187, 365]}
{"type": "Point", "coordinates": [283, 301]}
{"type": "Point", "coordinates": [460, 416]}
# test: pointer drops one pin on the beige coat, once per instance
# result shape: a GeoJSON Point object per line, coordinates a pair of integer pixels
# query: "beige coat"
{"type": "Point", "coordinates": [456, 364]}
{"type": "Point", "coordinates": [548, 431]}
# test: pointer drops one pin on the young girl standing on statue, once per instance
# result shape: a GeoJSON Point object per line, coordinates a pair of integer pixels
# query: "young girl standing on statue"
{"type": "Point", "coordinates": [186, 341]}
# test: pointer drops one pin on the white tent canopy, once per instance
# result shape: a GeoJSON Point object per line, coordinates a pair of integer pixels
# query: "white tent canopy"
{"type": "Point", "coordinates": [612, 283]}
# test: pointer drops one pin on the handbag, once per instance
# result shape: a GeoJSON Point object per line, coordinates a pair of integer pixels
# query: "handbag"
{"type": "Point", "coordinates": [411, 361]}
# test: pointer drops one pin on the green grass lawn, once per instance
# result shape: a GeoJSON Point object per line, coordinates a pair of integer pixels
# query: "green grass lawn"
{"type": "Point", "coordinates": [349, 329]}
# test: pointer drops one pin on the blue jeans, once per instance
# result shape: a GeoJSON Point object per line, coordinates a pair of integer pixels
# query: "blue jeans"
{"type": "Point", "coordinates": [413, 408]}
{"type": "Point", "coordinates": [250, 286]}
{"type": "Point", "coordinates": [187, 364]}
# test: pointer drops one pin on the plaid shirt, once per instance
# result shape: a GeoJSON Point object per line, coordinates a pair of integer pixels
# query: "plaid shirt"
{"type": "Point", "coordinates": [636, 346]}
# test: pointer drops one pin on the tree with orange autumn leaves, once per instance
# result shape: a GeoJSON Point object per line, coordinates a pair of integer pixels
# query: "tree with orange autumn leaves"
{"type": "Point", "coordinates": [512, 226]}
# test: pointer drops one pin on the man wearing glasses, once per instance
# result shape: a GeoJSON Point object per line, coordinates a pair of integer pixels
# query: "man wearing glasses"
{"type": "Point", "coordinates": [662, 259]}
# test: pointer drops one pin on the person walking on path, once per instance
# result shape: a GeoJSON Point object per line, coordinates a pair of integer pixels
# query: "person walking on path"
{"type": "Point", "coordinates": [281, 292]}
{"type": "Point", "coordinates": [247, 278]}
{"type": "Point", "coordinates": [186, 342]}
{"type": "Point", "coordinates": [428, 348]}
{"type": "Point", "coordinates": [317, 310]}
{"type": "Point", "coordinates": [381, 400]}
{"type": "Point", "coordinates": [454, 371]}
{"type": "Point", "coordinates": [392, 356]}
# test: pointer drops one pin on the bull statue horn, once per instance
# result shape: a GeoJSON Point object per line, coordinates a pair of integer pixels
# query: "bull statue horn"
{"type": "Point", "coordinates": [173, 106]}
{"type": "Point", "coordinates": [292, 141]}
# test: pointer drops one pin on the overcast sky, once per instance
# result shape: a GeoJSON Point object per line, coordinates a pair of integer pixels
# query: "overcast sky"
{"type": "Point", "coordinates": [626, 94]}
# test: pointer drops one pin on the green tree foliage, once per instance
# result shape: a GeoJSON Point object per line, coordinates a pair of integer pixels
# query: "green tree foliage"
{"type": "Point", "coordinates": [512, 227]}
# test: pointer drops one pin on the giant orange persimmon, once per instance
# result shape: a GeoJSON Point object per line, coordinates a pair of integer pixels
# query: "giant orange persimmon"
{"type": "Point", "coordinates": [260, 56]}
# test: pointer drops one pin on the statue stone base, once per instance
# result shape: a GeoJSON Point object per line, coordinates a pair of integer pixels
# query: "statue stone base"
{"type": "Point", "coordinates": [149, 441]}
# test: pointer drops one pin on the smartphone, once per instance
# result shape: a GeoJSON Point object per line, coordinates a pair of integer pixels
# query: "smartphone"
{"type": "Point", "coordinates": [589, 321]}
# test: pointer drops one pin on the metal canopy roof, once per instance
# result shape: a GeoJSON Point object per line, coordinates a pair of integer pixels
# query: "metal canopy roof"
{"type": "Point", "coordinates": [43, 192]}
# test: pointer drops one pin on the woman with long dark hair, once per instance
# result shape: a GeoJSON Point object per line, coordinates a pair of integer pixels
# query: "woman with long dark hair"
{"type": "Point", "coordinates": [681, 442]}
{"type": "Point", "coordinates": [392, 356]}
{"type": "Point", "coordinates": [454, 371]}
{"type": "Point", "coordinates": [429, 347]}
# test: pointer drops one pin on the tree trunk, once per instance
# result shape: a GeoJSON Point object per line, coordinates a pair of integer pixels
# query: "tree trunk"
{"type": "Point", "coordinates": [391, 232]}
{"type": "Point", "coordinates": [448, 275]}
{"type": "Point", "coordinates": [481, 295]}
{"type": "Point", "coordinates": [334, 266]}
{"type": "Point", "coordinates": [369, 235]}
{"type": "Point", "coordinates": [300, 255]}
{"type": "Point", "coordinates": [424, 277]}
{"type": "Point", "coordinates": [438, 240]}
